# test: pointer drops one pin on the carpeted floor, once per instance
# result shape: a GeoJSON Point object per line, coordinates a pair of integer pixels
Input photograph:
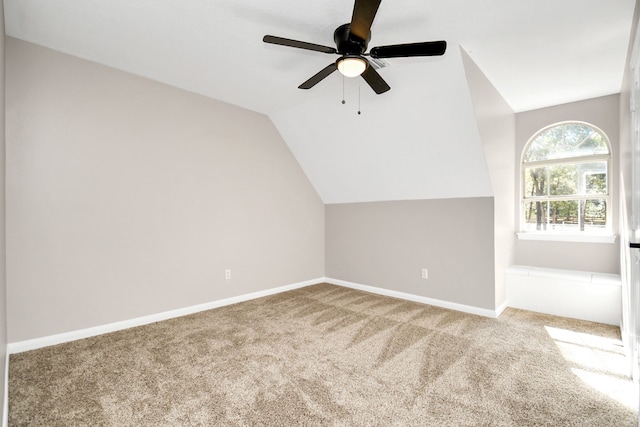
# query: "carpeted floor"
{"type": "Point", "coordinates": [327, 355]}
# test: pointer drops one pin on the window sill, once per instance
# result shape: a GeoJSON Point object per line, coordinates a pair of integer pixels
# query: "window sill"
{"type": "Point", "coordinates": [559, 237]}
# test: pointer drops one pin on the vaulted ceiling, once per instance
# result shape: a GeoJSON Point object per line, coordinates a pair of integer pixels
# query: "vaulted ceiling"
{"type": "Point", "coordinates": [409, 143]}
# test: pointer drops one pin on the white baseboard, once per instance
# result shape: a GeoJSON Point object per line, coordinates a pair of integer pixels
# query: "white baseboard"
{"type": "Point", "coordinates": [33, 344]}
{"type": "Point", "coordinates": [502, 308]}
{"type": "Point", "coordinates": [416, 298]}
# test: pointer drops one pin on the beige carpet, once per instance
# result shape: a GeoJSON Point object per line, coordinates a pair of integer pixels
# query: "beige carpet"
{"type": "Point", "coordinates": [327, 355]}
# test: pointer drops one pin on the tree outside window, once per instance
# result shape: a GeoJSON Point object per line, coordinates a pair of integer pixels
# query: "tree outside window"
{"type": "Point", "coordinates": [565, 180]}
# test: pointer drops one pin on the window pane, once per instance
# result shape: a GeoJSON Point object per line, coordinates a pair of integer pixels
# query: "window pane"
{"type": "Point", "coordinates": [566, 140]}
{"type": "Point", "coordinates": [535, 215]}
{"type": "Point", "coordinates": [595, 214]}
{"type": "Point", "coordinates": [563, 180]}
{"type": "Point", "coordinates": [535, 182]}
{"type": "Point", "coordinates": [593, 178]}
{"type": "Point", "coordinates": [563, 216]}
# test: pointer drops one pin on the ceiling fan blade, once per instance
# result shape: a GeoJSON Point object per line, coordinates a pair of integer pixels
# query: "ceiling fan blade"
{"type": "Point", "coordinates": [363, 13]}
{"type": "Point", "coordinates": [410, 49]}
{"type": "Point", "coordinates": [318, 77]}
{"type": "Point", "coordinates": [300, 45]}
{"type": "Point", "coordinates": [377, 83]}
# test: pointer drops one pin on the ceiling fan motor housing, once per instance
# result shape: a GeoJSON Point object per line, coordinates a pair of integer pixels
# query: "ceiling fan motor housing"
{"type": "Point", "coordinates": [347, 43]}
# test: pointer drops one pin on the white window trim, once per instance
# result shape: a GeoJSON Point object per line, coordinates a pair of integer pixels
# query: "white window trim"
{"type": "Point", "coordinates": [565, 237]}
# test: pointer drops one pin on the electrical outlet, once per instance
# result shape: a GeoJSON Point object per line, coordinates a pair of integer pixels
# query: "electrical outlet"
{"type": "Point", "coordinates": [425, 273]}
{"type": "Point", "coordinates": [227, 274]}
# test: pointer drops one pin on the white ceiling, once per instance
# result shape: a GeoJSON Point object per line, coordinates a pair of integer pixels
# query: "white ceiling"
{"type": "Point", "coordinates": [403, 146]}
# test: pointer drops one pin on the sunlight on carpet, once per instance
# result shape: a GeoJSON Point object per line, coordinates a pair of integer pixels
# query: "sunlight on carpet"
{"type": "Point", "coordinates": [599, 362]}
{"type": "Point", "coordinates": [328, 355]}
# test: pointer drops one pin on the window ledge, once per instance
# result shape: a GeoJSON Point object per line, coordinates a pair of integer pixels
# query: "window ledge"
{"type": "Point", "coordinates": [561, 237]}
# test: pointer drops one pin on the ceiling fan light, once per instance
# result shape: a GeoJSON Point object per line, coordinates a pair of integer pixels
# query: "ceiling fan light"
{"type": "Point", "coordinates": [352, 66]}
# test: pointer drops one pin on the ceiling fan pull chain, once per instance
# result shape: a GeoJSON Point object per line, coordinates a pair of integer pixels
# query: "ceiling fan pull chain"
{"type": "Point", "coordinates": [343, 101]}
{"type": "Point", "coordinates": [358, 96]}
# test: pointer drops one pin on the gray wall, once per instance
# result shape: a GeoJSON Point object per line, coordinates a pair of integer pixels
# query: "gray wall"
{"type": "Point", "coordinates": [3, 282]}
{"type": "Point", "coordinates": [386, 244]}
{"type": "Point", "coordinates": [601, 257]}
{"type": "Point", "coordinates": [496, 124]}
{"type": "Point", "coordinates": [127, 197]}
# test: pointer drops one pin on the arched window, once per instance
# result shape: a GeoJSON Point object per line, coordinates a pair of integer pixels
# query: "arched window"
{"type": "Point", "coordinates": [565, 180]}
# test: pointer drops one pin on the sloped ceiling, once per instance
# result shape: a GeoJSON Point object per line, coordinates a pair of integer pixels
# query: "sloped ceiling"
{"type": "Point", "coordinates": [412, 142]}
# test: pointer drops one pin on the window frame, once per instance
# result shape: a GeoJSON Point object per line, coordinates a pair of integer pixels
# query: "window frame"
{"type": "Point", "coordinates": [605, 235]}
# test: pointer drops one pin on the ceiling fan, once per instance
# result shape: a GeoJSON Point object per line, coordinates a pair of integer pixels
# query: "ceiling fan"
{"type": "Point", "coordinates": [352, 40]}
